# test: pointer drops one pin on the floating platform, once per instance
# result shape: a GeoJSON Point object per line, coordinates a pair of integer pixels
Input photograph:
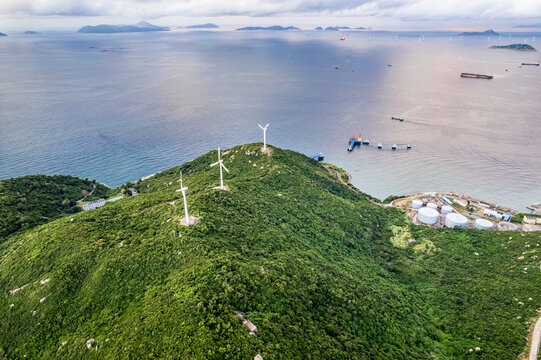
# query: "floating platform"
{"type": "Point", "coordinates": [476, 76]}
{"type": "Point", "coordinates": [360, 141]}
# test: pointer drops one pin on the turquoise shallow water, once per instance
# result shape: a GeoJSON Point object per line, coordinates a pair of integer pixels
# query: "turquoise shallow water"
{"type": "Point", "coordinates": [152, 101]}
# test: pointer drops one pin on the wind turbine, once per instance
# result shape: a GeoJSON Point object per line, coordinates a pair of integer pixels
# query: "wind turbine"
{"type": "Point", "coordinates": [221, 163]}
{"type": "Point", "coordinates": [183, 189]}
{"type": "Point", "coordinates": [264, 136]}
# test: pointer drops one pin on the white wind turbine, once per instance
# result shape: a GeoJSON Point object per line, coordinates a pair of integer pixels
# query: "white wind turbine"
{"type": "Point", "coordinates": [221, 163]}
{"type": "Point", "coordinates": [183, 189]}
{"type": "Point", "coordinates": [264, 136]}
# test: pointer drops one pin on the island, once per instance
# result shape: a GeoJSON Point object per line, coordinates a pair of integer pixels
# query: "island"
{"type": "Point", "coordinates": [143, 26]}
{"type": "Point", "coordinates": [289, 254]}
{"type": "Point", "coordinates": [518, 47]}
{"type": "Point", "coordinates": [337, 28]}
{"type": "Point", "coordinates": [30, 32]}
{"type": "Point", "coordinates": [475, 33]}
{"type": "Point", "coordinates": [2, 34]}
{"type": "Point", "coordinates": [528, 26]}
{"type": "Point", "coordinates": [200, 26]}
{"type": "Point", "coordinates": [274, 27]}
{"type": "Point", "coordinates": [319, 28]}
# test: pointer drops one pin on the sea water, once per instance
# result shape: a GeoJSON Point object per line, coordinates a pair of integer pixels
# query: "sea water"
{"type": "Point", "coordinates": [118, 107]}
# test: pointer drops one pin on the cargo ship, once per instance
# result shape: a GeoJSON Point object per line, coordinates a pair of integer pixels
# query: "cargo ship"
{"type": "Point", "coordinates": [532, 64]}
{"type": "Point", "coordinates": [476, 76]}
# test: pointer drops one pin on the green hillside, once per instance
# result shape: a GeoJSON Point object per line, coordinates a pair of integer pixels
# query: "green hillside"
{"type": "Point", "coordinates": [320, 270]}
{"type": "Point", "coordinates": [32, 200]}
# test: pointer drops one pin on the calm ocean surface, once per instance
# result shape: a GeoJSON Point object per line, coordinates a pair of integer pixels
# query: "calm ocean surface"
{"type": "Point", "coordinates": [161, 99]}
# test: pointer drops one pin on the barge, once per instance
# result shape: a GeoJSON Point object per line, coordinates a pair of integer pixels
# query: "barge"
{"type": "Point", "coordinates": [531, 64]}
{"type": "Point", "coordinates": [476, 76]}
{"type": "Point", "coordinates": [396, 118]}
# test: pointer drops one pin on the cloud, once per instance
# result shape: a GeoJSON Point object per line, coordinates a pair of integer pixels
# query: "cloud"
{"type": "Point", "coordinates": [400, 9]}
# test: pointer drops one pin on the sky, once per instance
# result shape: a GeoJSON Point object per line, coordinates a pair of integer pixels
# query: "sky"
{"type": "Point", "coordinates": [379, 14]}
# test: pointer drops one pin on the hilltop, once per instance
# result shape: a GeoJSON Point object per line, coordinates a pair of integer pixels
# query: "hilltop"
{"type": "Point", "coordinates": [322, 270]}
{"type": "Point", "coordinates": [142, 26]}
{"type": "Point", "coordinates": [519, 47]}
{"type": "Point", "coordinates": [474, 33]}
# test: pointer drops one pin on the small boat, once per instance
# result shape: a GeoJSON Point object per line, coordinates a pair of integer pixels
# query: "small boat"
{"type": "Point", "coordinates": [366, 142]}
{"type": "Point", "coordinates": [342, 37]}
{"type": "Point", "coordinates": [380, 146]}
{"type": "Point", "coordinates": [393, 147]}
{"type": "Point", "coordinates": [318, 156]}
{"type": "Point", "coordinates": [396, 118]}
{"type": "Point", "coordinates": [351, 144]}
{"type": "Point", "coordinates": [408, 146]}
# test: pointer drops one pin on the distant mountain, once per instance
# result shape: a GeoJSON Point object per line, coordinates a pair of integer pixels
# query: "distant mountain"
{"type": "Point", "coordinates": [200, 26]}
{"type": "Point", "coordinates": [143, 26]}
{"type": "Point", "coordinates": [528, 26]}
{"type": "Point", "coordinates": [337, 28]}
{"type": "Point", "coordinates": [319, 28]}
{"type": "Point", "coordinates": [360, 28]}
{"type": "Point", "coordinates": [274, 27]}
{"type": "Point", "coordinates": [473, 33]}
{"type": "Point", "coordinates": [519, 47]}
{"type": "Point", "coordinates": [30, 32]}
{"type": "Point", "coordinates": [2, 34]}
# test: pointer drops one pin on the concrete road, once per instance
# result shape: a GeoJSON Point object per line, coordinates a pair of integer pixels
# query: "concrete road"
{"type": "Point", "coordinates": [536, 339]}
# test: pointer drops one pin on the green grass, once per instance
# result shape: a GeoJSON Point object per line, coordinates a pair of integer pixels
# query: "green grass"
{"type": "Point", "coordinates": [341, 280]}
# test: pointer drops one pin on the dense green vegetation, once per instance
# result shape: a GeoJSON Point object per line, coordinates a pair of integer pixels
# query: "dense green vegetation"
{"type": "Point", "coordinates": [521, 47]}
{"type": "Point", "coordinates": [320, 270]}
{"type": "Point", "coordinates": [32, 200]}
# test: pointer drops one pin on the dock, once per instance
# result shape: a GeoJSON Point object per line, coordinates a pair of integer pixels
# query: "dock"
{"type": "Point", "coordinates": [354, 141]}
{"type": "Point", "coordinates": [476, 76]}
{"type": "Point", "coordinates": [318, 156]}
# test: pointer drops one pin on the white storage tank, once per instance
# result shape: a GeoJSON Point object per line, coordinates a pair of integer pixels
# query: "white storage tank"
{"type": "Point", "coordinates": [432, 205]}
{"type": "Point", "coordinates": [427, 215]}
{"type": "Point", "coordinates": [446, 209]}
{"type": "Point", "coordinates": [483, 224]}
{"type": "Point", "coordinates": [416, 204]}
{"type": "Point", "coordinates": [455, 220]}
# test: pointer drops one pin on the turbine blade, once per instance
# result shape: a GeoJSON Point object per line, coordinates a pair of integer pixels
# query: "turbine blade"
{"type": "Point", "coordinates": [216, 163]}
{"type": "Point", "coordinates": [266, 125]}
{"type": "Point", "coordinates": [224, 167]}
{"type": "Point", "coordinates": [261, 127]}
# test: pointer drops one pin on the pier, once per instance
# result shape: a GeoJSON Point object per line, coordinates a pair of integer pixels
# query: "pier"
{"type": "Point", "coordinates": [354, 141]}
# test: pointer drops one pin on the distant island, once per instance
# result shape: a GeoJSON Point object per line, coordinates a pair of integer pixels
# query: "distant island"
{"type": "Point", "coordinates": [200, 26]}
{"type": "Point", "coordinates": [528, 26]}
{"type": "Point", "coordinates": [274, 27]}
{"type": "Point", "coordinates": [319, 28]}
{"type": "Point", "coordinates": [519, 47]}
{"type": "Point", "coordinates": [30, 32]}
{"type": "Point", "coordinates": [2, 34]}
{"type": "Point", "coordinates": [474, 33]}
{"type": "Point", "coordinates": [143, 26]}
{"type": "Point", "coordinates": [337, 28]}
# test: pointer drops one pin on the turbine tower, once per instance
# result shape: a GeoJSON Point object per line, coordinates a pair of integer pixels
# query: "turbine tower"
{"type": "Point", "coordinates": [221, 163]}
{"type": "Point", "coordinates": [264, 136]}
{"type": "Point", "coordinates": [183, 189]}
